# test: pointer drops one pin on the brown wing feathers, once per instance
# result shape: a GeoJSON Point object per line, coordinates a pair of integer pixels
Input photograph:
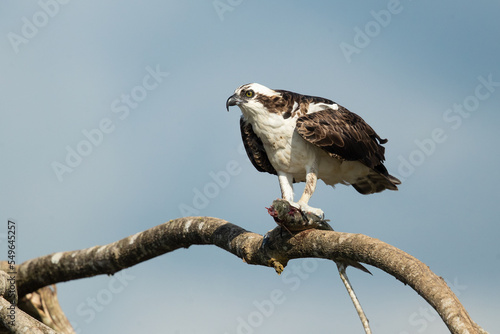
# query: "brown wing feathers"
{"type": "Point", "coordinates": [255, 149]}
{"type": "Point", "coordinates": [346, 136]}
{"type": "Point", "coordinates": [343, 134]}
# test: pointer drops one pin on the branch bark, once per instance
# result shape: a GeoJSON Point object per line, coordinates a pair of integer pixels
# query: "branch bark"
{"type": "Point", "coordinates": [281, 247]}
{"type": "Point", "coordinates": [43, 305]}
{"type": "Point", "coordinates": [18, 322]}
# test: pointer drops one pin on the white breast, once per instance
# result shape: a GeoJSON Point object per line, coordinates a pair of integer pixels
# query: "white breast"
{"type": "Point", "coordinates": [285, 148]}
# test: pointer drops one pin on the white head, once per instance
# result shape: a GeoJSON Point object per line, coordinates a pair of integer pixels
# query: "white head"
{"type": "Point", "coordinates": [253, 98]}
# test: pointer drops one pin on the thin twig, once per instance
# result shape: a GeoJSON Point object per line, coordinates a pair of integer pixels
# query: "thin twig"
{"type": "Point", "coordinates": [343, 276]}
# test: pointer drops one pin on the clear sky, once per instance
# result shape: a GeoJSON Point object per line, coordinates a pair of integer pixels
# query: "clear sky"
{"type": "Point", "coordinates": [113, 120]}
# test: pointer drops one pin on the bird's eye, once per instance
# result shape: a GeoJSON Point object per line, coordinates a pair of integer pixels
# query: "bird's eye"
{"type": "Point", "coordinates": [249, 93]}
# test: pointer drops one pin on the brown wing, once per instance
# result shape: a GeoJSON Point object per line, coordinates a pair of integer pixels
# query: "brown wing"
{"type": "Point", "coordinates": [346, 136]}
{"type": "Point", "coordinates": [343, 134]}
{"type": "Point", "coordinates": [255, 149]}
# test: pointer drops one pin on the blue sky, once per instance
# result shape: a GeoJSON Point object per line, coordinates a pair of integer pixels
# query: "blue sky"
{"type": "Point", "coordinates": [140, 89]}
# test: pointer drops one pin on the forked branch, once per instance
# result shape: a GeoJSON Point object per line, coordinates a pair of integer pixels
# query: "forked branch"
{"type": "Point", "coordinates": [281, 247]}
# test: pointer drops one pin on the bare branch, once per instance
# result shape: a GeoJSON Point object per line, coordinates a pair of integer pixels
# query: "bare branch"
{"type": "Point", "coordinates": [43, 305]}
{"type": "Point", "coordinates": [341, 247]}
{"type": "Point", "coordinates": [354, 298]}
{"type": "Point", "coordinates": [179, 233]}
{"type": "Point", "coordinates": [18, 322]}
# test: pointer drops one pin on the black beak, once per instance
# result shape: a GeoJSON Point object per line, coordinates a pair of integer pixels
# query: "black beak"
{"type": "Point", "coordinates": [233, 100]}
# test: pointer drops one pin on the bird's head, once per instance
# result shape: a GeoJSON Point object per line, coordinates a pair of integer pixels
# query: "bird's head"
{"type": "Point", "coordinates": [252, 98]}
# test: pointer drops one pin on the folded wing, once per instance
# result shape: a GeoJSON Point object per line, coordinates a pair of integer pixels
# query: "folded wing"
{"type": "Point", "coordinates": [346, 136]}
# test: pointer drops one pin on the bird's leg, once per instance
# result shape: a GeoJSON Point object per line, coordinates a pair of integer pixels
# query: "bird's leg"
{"type": "Point", "coordinates": [311, 180]}
{"type": "Point", "coordinates": [286, 185]}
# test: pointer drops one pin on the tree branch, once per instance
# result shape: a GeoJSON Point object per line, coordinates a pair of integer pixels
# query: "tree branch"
{"type": "Point", "coordinates": [354, 298]}
{"type": "Point", "coordinates": [18, 322]}
{"type": "Point", "coordinates": [281, 247]}
{"type": "Point", "coordinates": [43, 305]}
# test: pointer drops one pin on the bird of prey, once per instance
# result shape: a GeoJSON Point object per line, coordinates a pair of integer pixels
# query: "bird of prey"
{"type": "Point", "coordinates": [305, 138]}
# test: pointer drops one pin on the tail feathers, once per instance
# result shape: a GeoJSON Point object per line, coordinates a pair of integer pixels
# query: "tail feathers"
{"type": "Point", "coordinates": [376, 182]}
{"type": "Point", "coordinates": [393, 179]}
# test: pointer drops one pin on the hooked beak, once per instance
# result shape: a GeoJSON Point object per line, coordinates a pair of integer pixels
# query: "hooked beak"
{"type": "Point", "coordinates": [233, 100]}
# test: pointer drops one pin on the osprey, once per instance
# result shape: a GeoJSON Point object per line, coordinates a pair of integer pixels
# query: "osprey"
{"type": "Point", "coordinates": [305, 138]}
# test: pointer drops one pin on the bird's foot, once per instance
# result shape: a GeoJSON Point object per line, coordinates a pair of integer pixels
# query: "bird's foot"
{"type": "Point", "coordinates": [295, 217]}
{"type": "Point", "coordinates": [308, 209]}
